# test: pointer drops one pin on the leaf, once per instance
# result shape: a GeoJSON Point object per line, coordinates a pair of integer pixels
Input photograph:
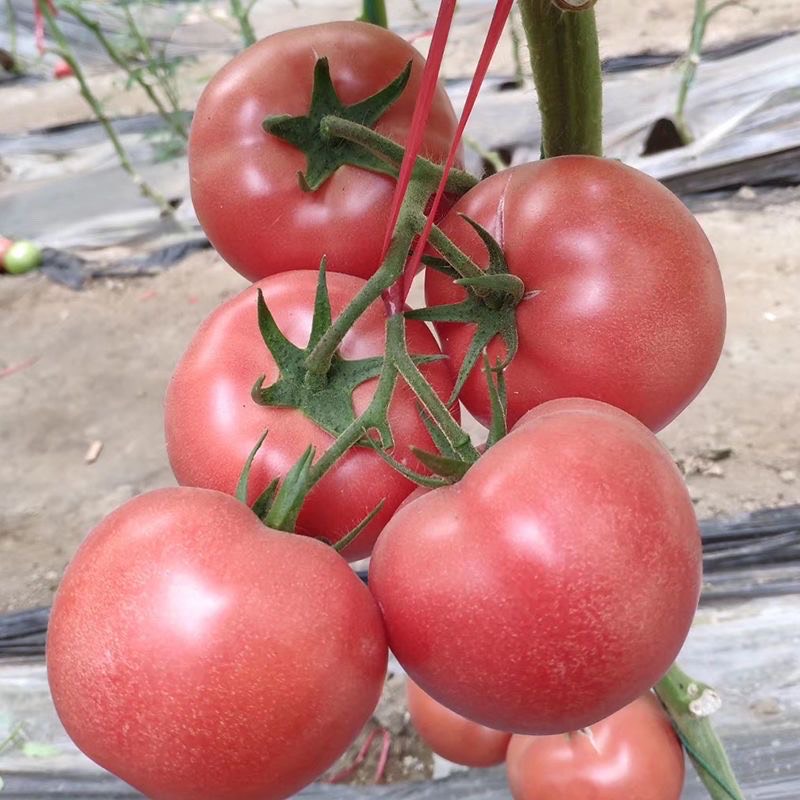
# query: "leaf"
{"type": "Point", "coordinates": [324, 157]}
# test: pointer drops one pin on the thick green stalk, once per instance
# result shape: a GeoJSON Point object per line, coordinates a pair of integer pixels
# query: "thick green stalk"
{"type": "Point", "coordinates": [566, 69]}
{"type": "Point", "coordinates": [374, 11]}
{"type": "Point", "coordinates": [66, 52]}
{"type": "Point", "coordinates": [690, 705]}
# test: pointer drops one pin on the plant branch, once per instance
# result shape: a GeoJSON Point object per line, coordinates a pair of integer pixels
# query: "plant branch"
{"type": "Point", "coordinates": [66, 52]}
{"type": "Point", "coordinates": [690, 704]}
{"type": "Point", "coordinates": [242, 16]}
{"type": "Point", "coordinates": [171, 118]}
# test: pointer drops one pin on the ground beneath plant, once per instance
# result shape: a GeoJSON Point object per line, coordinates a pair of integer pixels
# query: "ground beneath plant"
{"type": "Point", "coordinates": [83, 374]}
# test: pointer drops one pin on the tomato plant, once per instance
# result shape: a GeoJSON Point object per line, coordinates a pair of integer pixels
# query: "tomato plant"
{"type": "Point", "coordinates": [633, 753]}
{"type": "Point", "coordinates": [554, 583]}
{"type": "Point", "coordinates": [197, 654]}
{"type": "Point", "coordinates": [452, 736]}
{"type": "Point", "coordinates": [625, 300]}
{"type": "Point", "coordinates": [244, 181]}
{"type": "Point", "coordinates": [537, 584]}
{"type": "Point", "coordinates": [212, 423]}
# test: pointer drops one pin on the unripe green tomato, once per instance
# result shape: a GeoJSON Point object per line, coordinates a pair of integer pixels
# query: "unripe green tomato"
{"type": "Point", "coordinates": [22, 256]}
{"type": "Point", "coordinates": [5, 246]}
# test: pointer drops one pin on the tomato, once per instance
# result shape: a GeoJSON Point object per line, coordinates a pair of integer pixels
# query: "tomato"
{"type": "Point", "coordinates": [452, 736]}
{"type": "Point", "coordinates": [554, 583]}
{"type": "Point", "coordinates": [5, 246]}
{"type": "Point", "coordinates": [212, 423]}
{"type": "Point", "coordinates": [22, 256]}
{"type": "Point", "coordinates": [199, 655]}
{"type": "Point", "coordinates": [244, 181]}
{"type": "Point", "coordinates": [62, 69]}
{"type": "Point", "coordinates": [632, 754]}
{"type": "Point", "coordinates": [630, 307]}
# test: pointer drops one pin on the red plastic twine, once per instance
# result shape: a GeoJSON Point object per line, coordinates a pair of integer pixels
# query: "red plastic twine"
{"type": "Point", "coordinates": [430, 75]}
{"type": "Point", "coordinates": [501, 12]}
{"type": "Point", "coordinates": [39, 17]}
{"type": "Point", "coordinates": [395, 297]}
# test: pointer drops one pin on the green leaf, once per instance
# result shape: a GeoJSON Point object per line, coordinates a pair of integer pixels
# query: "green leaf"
{"type": "Point", "coordinates": [244, 477]}
{"type": "Point", "coordinates": [263, 503]}
{"type": "Point", "coordinates": [429, 481]}
{"type": "Point", "coordinates": [496, 382]}
{"type": "Point", "coordinates": [353, 534]}
{"type": "Point", "coordinates": [452, 468]}
{"type": "Point", "coordinates": [286, 505]}
{"type": "Point", "coordinates": [327, 400]}
{"type": "Point", "coordinates": [323, 156]}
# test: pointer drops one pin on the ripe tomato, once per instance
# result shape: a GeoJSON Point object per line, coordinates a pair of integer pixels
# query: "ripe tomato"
{"type": "Point", "coordinates": [244, 181]}
{"type": "Point", "coordinates": [452, 736]}
{"type": "Point", "coordinates": [632, 754]}
{"type": "Point", "coordinates": [200, 655]}
{"type": "Point", "coordinates": [554, 583]}
{"type": "Point", "coordinates": [630, 307]}
{"type": "Point", "coordinates": [212, 423]}
{"type": "Point", "coordinates": [62, 69]}
{"type": "Point", "coordinates": [5, 246]}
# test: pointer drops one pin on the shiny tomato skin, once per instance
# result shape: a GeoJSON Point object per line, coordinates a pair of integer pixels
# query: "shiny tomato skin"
{"type": "Point", "coordinates": [244, 181]}
{"type": "Point", "coordinates": [452, 736]}
{"type": "Point", "coordinates": [199, 655]}
{"type": "Point", "coordinates": [554, 583]}
{"type": "Point", "coordinates": [212, 423]}
{"type": "Point", "coordinates": [633, 754]}
{"type": "Point", "coordinates": [630, 307]}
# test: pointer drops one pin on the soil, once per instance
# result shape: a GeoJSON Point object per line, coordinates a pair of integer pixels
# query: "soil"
{"type": "Point", "coordinates": [83, 374]}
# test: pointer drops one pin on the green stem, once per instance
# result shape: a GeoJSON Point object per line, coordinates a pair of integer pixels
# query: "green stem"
{"type": "Point", "coordinates": [458, 181]}
{"type": "Point", "coordinates": [66, 52]}
{"type": "Point", "coordinates": [689, 704]}
{"type": "Point", "coordinates": [12, 28]}
{"type": "Point", "coordinates": [690, 64]}
{"type": "Point", "coordinates": [566, 69]}
{"type": "Point", "coordinates": [397, 353]}
{"type": "Point", "coordinates": [374, 11]}
{"type": "Point", "coordinates": [142, 42]}
{"type": "Point", "coordinates": [135, 75]}
{"type": "Point", "coordinates": [457, 259]}
{"type": "Point", "coordinates": [419, 190]}
{"type": "Point", "coordinates": [242, 16]}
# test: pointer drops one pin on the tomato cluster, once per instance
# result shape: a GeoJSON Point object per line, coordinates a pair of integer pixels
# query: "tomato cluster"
{"type": "Point", "coordinates": [201, 649]}
{"type": "Point", "coordinates": [634, 753]}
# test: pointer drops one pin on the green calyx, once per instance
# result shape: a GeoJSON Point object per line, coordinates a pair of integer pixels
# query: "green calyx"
{"type": "Point", "coordinates": [324, 154]}
{"type": "Point", "coordinates": [325, 399]}
{"type": "Point", "coordinates": [493, 295]}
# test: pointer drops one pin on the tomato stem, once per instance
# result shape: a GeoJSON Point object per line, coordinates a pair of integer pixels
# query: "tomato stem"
{"type": "Point", "coordinates": [374, 11]}
{"type": "Point", "coordinates": [565, 58]}
{"type": "Point", "coordinates": [333, 127]}
{"type": "Point", "coordinates": [420, 188]}
{"type": "Point", "coordinates": [690, 704]}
